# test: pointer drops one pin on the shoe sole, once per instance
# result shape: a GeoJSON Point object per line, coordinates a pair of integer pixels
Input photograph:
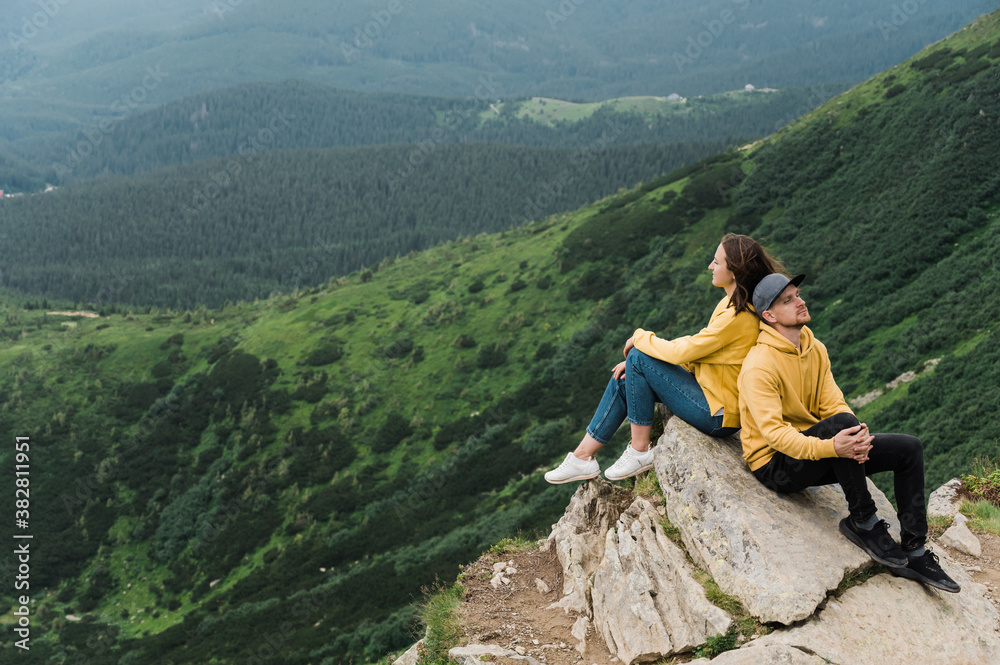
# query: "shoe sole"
{"type": "Point", "coordinates": [911, 574]}
{"type": "Point", "coordinates": [853, 537]}
{"type": "Point", "coordinates": [571, 480]}
{"type": "Point", "coordinates": [628, 475]}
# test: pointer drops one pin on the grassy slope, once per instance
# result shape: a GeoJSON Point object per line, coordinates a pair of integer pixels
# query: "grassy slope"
{"type": "Point", "coordinates": [548, 111]}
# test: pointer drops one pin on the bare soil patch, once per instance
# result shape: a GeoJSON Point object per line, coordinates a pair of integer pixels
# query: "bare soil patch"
{"type": "Point", "coordinates": [988, 564]}
{"type": "Point", "coordinates": [517, 614]}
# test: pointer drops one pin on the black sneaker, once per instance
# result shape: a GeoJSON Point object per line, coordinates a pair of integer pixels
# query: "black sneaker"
{"type": "Point", "coordinates": [876, 541]}
{"type": "Point", "coordinates": [925, 568]}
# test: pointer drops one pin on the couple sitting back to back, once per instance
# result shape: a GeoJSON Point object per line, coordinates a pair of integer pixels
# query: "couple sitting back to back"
{"type": "Point", "coordinates": [757, 366]}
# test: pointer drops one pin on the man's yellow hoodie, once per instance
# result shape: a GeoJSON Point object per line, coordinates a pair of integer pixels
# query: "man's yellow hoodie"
{"type": "Point", "coordinates": [713, 355]}
{"type": "Point", "coordinates": [783, 391]}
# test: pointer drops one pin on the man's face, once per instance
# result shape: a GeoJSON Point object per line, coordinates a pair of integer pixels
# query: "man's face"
{"type": "Point", "coordinates": [789, 309]}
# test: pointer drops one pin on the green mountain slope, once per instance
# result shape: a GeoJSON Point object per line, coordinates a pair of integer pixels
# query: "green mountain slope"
{"type": "Point", "coordinates": [284, 476]}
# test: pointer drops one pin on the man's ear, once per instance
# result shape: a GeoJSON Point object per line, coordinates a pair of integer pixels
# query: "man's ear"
{"type": "Point", "coordinates": [768, 316]}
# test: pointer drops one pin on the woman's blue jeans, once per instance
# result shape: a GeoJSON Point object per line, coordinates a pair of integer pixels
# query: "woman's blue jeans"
{"type": "Point", "coordinates": [647, 381]}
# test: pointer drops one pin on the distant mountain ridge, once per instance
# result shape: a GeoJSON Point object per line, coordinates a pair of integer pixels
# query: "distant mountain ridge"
{"type": "Point", "coordinates": [599, 51]}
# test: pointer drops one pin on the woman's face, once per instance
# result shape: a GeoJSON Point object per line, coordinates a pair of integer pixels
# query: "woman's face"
{"type": "Point", "coordinates": [722, 276]}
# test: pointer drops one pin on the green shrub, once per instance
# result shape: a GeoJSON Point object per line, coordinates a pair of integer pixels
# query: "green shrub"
{"type": "Point", "coordinates": [717, 644]}
{"type": "Point", "coordinates": [324, 355]}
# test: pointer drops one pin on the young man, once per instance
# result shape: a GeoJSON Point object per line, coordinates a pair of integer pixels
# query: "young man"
{"type": "Point", "coordinates": [799, 432]}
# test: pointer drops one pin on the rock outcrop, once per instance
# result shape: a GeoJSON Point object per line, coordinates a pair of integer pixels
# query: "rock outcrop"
{"type": "Point", "coordinates": [779, 554]}
{"type": "Point", "coordinates": [578, 538]}
{"type": "Point", "coordinates": [894, 620]}
{"type": "Point", "coordinates": [646, 601]}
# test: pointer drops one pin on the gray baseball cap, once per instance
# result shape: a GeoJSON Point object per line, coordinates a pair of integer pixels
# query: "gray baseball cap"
{"type": "Point", "coordinates": [769, 288]}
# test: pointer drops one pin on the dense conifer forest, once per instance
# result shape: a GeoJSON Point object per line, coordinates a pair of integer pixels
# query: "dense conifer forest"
{"type": "Point", "coordinates": [270, 222]}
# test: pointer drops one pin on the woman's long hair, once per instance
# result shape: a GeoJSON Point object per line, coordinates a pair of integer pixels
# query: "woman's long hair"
{"type": "Point", "coordinates": [749, 263]}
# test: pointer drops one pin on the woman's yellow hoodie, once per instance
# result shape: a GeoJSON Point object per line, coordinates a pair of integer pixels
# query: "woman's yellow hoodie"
{"type": "Point", "coordinates": [713, 355]}
{"type": "Point", "coordinates": [783, 391]}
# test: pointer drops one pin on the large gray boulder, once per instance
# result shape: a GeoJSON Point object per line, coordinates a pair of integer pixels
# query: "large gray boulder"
{"type": "Point", "coordinates": [647, 604]}
{"type": "Point", "coordinates": [578, 538]}
{"type": "Point", "coordinates": [778, 554]}
{"type": "Point", "coordinates": [894, 620]}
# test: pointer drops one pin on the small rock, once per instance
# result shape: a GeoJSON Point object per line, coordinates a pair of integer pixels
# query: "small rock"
{"type": "Point", "coordinates": [972, 569]}
{"type": "Point", "coordinates": [499, 567]}
{"type": "Point", "coordinates": [520, 650]}
{"type": "Point", "coordinates": [505, 580]}
{"type": "Point", "coordinates": [542, 587]}
{"type": "Point", "coordinates": [944, 501]}
{"type": "Point", "coordinates": [495, 582]}
{"type": "Point", "coordinates": [411, 656]}
{"type": "Point", "coordinates": [510, 570]}
{"type": "Point", "coordinates": [535, 642]}
{"type": "Point", "coordinates": [960, 519]}
{"type": "Point", "coordinates": [960, 538]}
{"type": "Point", "coordinates": [579, 631]}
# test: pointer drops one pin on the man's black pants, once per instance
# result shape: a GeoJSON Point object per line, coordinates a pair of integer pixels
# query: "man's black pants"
{"type": "Point", "coordinates": [900, 453]}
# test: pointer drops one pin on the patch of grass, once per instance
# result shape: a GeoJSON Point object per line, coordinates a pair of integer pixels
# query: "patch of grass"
{"type": "Point", "coordinates": [983, 516]}
{"type": "Point", "coordinates": [514, 545]}
{"type": "Point", "coordinates": [936, 525]}
{"type": "Point", "coordinates": [439, 613]}
{"type": "Point", "coordinates": [647, 485]}
{"type": "Point", "coordinates": [717, 644]}
{"type": "Point", "coordinates": [671, 532]}
{"type": "Point", "coordinates": [854, 578]}
{"type": "Point", "coordinates": [746, 624]}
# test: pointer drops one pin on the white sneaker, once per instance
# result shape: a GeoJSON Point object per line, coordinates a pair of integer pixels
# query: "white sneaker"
{"type": "Point", "coordinates": [631, 463]}
{"type": "Point", "coordinates": [573, 468]}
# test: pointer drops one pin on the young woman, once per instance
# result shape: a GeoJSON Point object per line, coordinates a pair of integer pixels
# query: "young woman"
{"type": "Point", "coordinates": [694, 376]}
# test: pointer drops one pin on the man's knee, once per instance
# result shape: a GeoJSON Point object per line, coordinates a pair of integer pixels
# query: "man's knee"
{"type": "Point", "coordinates": [911, 447]}
{"type": "Point", "coordinates": [843, 420]}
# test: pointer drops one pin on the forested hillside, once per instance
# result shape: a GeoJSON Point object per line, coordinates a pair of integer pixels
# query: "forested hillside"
{"type": "Point", "coordinates": [299, 114]}
{"type": "Point", "coordinates": [271, 222]}
{"type": "Point", "coordinates": [79, 61]}
{"type": "Point", "coordinates": [320, 456]}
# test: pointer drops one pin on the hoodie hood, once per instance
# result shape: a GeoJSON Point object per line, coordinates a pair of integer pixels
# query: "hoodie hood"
{"type": "Point", "coordinates": [773, 338]}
